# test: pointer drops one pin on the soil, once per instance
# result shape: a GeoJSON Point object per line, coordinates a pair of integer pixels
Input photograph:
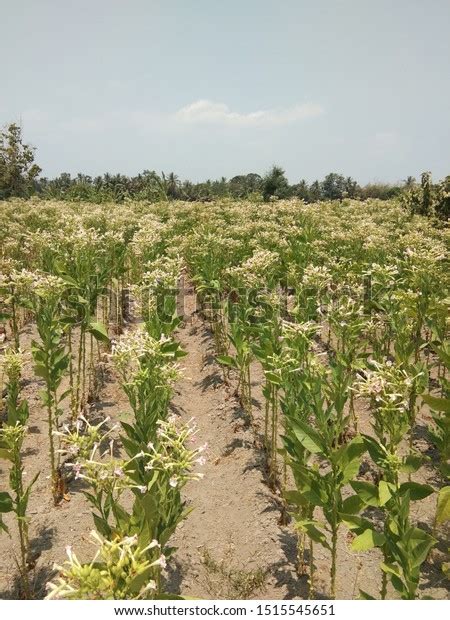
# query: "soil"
{"type": "Point", "coordinates": [233, 543]}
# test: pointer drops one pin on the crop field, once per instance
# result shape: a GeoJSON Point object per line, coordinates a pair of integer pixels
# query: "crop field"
{"type": "Point", "coordinates": [229, 399]}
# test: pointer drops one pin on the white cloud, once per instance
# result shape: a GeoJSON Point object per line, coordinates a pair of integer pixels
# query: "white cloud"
{"type": "Point", "coordinates": [204, 111]}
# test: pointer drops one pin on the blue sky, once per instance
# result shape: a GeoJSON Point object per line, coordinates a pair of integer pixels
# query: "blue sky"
{"type": "Point", "coordinates": [209, 88]}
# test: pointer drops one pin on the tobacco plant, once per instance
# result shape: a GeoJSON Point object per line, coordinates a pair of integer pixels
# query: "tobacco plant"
{"type": "Point", "coordinates": [404, 546]}
{"type": "Point", "coordinates": [320, 463]}
{"type": "Point", "coordinates": [120, 570]}
{"type": "Point", "coordinates": [12, 436]}
{"type": "Point", "coordinates": [51, 361]}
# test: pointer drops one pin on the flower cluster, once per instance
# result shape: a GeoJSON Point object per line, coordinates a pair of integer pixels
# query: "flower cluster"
{"type": "Point", "coordinates": [120, 570]}
{"type": "Point", "coordinates": [12, 364]}
{"type": "Point", "coordinates": [83, 437]}
{"type": "Point", "coordinates": [172, 454]}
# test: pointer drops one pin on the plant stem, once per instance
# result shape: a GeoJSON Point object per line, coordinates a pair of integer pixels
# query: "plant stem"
{"type": "Point", "coordinates": [14, 325]}
{"type": "Point", "coordinates": [73, 413]}
{"type": "Point", "coordinates": [311, 569]}
{"type": "Point", "coordinates": [334, 533]}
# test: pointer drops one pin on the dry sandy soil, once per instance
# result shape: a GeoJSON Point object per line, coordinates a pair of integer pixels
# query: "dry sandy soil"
{"type": "Point", "coordinates": [232, 544]}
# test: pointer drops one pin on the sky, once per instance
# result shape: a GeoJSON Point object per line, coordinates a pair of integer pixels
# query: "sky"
{"type": "Point", "coordinates": [211, 88]}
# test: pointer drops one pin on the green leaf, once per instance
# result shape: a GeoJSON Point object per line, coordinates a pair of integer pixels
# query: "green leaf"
{"type": "Point", "coordinates": [352, 505]}
{"type": "Point", "coordinates": [296, 498]}
{"type": "Point", "coordinates": [349, 457]}
{"type": "Point", "coordinates": [98, 330]}
{"type": "Point", "coordinates": [367, 491]}
{"type": "Point", "coordinates": [272, 377]}
{"type": "Point", "coordinates": [416, 490]}
{"type": "Point", "coordinates": [6, 503]}
{"type": "Point", "coordinates": [139, 581]}
{"type": "Point", "coordinates": [443, 505]}
{"type": "Point", "coordinates": [308, 437]}
{"type": "Point", "coordinates": [391, 569]}
{"type": "Point", "coordinates": [368, 540]}
{"type": "Point", "coordinates": [355, 522]}
{"type": "Point", "coordinates": [64, 395]}
{"type": "Point", "coordinates": [314, 533]}
{"type": "Point", "coordinates": [377, 451]}
{"type": "Point", "coordinates": [5, 454]}
{"type": "Point", "coordinates": [438, 404]}
{"type": "Point", "coordinates": [411, 463]}
{"type": "Point", "coordinates": [101, 525]}
{"type": "Point", "coordinates": [227, 360]}
{"type": "Point", "coordinates": [384, 492]}
{"type": "Point", "coordinates": [41, 371]}
{"type": "Point", "coordinates": [419, 544]}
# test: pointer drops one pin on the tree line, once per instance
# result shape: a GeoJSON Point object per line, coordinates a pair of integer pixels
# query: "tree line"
{"type": "Point", "coordinates": [20, 177]}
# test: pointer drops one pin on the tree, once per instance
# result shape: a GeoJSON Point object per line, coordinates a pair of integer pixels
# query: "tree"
{"type": "Point", "coordinates": [17, 168]}
{"type": "Point", "coordinates": [333, 186]}
{"type": "Point", "coordinates": [315, 192]}
{"type": "Point", "coordinates": [351, 188]}
{"type": "Point", "coordinates": [422, 199]}
{"type": "Point", "coordinates": [409, 182]}
{"type": "Point", "coordinates": [171, 185]}
{"type": "Point", "coordinates": [442, 207]}
{"type": "Point", "coordinates": [301, 190]}
{"type": "Point", "coordinates": [275, 184]}
{"type": "Point", "coordinates": [242, 185]}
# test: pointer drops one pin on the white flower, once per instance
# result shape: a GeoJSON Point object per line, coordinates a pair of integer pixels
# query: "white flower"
{"type": "Point", "coordinates": [161, 561]}
{"type": "Point", "coordinates": [153, 544]}
{"type": "Point", "coordinates": [151, 585]}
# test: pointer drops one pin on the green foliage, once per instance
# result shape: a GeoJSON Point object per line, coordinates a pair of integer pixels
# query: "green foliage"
{"type": "Point", "coordinates": [12, 435]}
{"type": "Point", "coordinates": [428, 198]}
{"type": "Point", "coordinates": [275, 184]}
{"type": "Point", "coordinates": [17, 168]}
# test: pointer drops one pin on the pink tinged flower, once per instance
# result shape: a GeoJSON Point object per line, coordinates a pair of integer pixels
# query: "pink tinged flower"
{"type": "Point", "coordinates": [119, 472]}
{"type": "Point", "coordinates": [77, 470]}
{"type": "Point", "coordinates": [161, 561]}
{"type": "Point", "coordinates": [201, 460]}
{"type": "Point", "coordinates": [153, 544]}
{"type": "Point", "coordinates": [203, 448]}
{"type": "Point", "coordinates": [173, 482]}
